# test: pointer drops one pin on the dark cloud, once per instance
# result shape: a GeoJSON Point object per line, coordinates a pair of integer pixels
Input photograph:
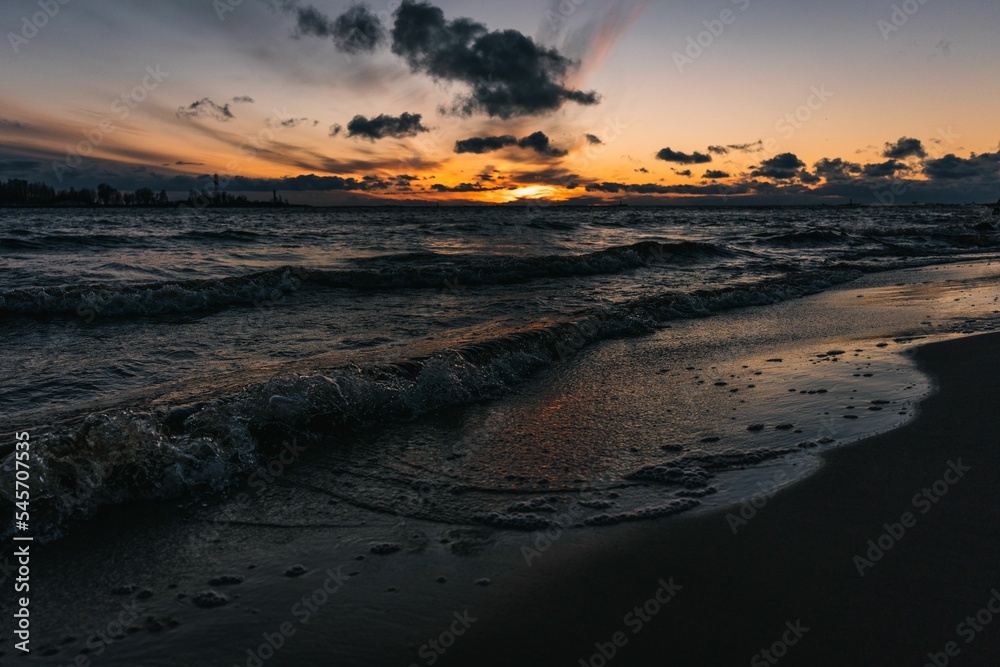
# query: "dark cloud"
{"type": "Point", "coordinates": [904, 148]}
{"type": "Point", "coordinates": [464, 187]}
{"type": "Point", "coordinates": [507, 72]}
{"type": "Point", "coordinates": [642, 170]}
{"type": "Point", "coordinates": [644, 188]}
{"type": "Point", "coordinates": [289, 122]}
{"type": "Point", "coordinates": [660, 189]}
{"type": "Point", "coordinates": [480, 145]}
{"type": "Point", "coordinates": [983, 168]}
{"type": "Point", "coordinates": [836, 169]}
{"type": "Point", "coordinates": [383, 126]}
{"type": "Point", "coordinates": [13, 124]}
{"type": "Point", "coordinates": [243, 99]}
{"type": "Point", "coordinates": [670, 155]}
{"type": "Point", "coordinates": [687, 173]}
{"type": "Point", "coordinates": [335, 129]}
{"type": "Point", "coordinates": [304, 183]}
{"type": "Point", "coordinates": [539, 143]}
{"type": "Point", "coordinates": [358, 30]}
{"type": "Point", "coordinates": [783, 166]}
{"type": "Point", "coordinates": [593, 139]}
{"type": "Point", "coordinates": [713, 174]}
{"type": "Point", "coordinates": [885, 169]}
{"type": "Point", "coordinates": [755, 147]}
{"type": "Point", "coordinates": [206, 108]}
{"type": "Point", "coordinates": [185, 163]}
{"type": "Point", "coordinates": [311, 21]}
{"type": "Point", "coordinates": [552, 176]}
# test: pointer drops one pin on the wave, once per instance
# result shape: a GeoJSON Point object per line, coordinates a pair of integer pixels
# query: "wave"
{"type": "Point", "coordinates": [223, 235]}
{"type": "Point", "coordinates": [161, 298]}
{"type": "Point", "coordinates": [411, 271]}
{"type": "Point", "coordinates": [130, 454]}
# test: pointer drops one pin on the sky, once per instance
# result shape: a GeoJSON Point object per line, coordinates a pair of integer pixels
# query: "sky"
{"type": "Point", "coordinates": [585, 101]}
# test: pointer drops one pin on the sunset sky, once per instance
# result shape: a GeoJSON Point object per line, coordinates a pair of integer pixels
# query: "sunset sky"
{"type": "Point", "coordinates": [762, 101]}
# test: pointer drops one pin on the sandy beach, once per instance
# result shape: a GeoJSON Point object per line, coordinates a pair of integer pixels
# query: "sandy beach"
{"type": "Point", "coordinates": [926, 495]}
{"type": "Point", "coordinates": [878, 558]}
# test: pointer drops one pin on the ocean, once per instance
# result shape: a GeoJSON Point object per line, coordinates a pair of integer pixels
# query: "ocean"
{"type": "Point", "coordinates": [472, 366]}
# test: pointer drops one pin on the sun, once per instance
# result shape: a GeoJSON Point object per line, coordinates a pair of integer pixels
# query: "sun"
{"type": "Point", "coordinates": [534, 192]}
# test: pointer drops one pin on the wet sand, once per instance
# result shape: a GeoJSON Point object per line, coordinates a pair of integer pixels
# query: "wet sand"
{"type": "Point", "coordinates": [795, 560]}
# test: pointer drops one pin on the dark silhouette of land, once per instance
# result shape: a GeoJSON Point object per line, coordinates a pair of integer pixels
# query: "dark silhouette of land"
{"type": "Point", "coordinates": [21, 193]}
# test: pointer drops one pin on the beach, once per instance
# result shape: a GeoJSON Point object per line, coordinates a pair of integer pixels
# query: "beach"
{"type": "Point", "coordinates": [870, 552]}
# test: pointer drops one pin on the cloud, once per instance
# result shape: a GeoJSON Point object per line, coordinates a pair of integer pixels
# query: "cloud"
{"type": "Point", "coordinates": [593, 139]}
{"type": "Point", "coordinates": [670, 155]}
{"type": "Point", "coordinates": [642, 170]}
{"type": "Point", "coordinates": [464, 187]}
{"type": "Point", "coordinates": [335, 129]}
{"type": "Point", "coordinates": [754, 147]}
{"type": "Point", "coordinates": [480, 145]}
{"type": "Point", "coordinates": [551, 176]}
{"type": "Point", "coordinates": [358, 30]}
{"type": "Point", "coordinates": [686, 173]}
{"type": "Point", "coordinates": [304, 183]}
{"type": "Point", "coordinates": [206, 108]}
{"type": "Point", "coordinates": [836, 169]}
{"type": "Point", "coordinates": [507, 72]}
{"type": "Point", "coordinates": [243, 99]}
{"type": "Point", "coordinates": [383, 126]}
{"type": "Point", "coordinates": [783, 166]}
{"type": "Point", "coordinates": [290, 122]}
{"type": "Point", "coordinates": [185, 163]}
{"type": "Point", "coordinates": [984, 168]}
{"type": "Point", "coordinates": [537, 142]}
{"type": "Point", "coordinates": [311, 21]}
{"type": "Point", "coordinates": [885, 169]}
{"type": "Point", "coordinates": [713, 174]}
{"type": "Point", "coordinates": [13, 124]}
{"type": "Point", "coordinates": [904, 148]}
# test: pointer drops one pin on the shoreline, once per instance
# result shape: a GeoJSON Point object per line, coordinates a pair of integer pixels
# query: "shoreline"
{"type": "Point", "coordinates": [802, 556]}
{"type": "Point", "coordinates": [559, 606]}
